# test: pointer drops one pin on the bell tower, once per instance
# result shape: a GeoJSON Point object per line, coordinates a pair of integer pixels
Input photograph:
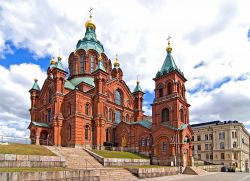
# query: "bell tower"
{"type": "Point", "coordinates": [170, 106]}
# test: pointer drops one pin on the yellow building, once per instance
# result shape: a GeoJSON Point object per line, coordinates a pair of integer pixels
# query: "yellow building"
{"type": "Point", "coordinates": [224, 143]}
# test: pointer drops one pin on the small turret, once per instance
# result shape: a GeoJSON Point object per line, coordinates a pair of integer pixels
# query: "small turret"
{"type": "Point", "coordinates": [138, 95]}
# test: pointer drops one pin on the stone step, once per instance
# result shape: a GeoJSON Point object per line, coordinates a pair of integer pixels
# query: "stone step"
{"type": "Point", "coordinates": [194, 171]}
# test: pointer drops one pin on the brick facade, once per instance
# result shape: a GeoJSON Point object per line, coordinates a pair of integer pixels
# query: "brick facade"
{"type": "Point", "coordinates": [93, 105]}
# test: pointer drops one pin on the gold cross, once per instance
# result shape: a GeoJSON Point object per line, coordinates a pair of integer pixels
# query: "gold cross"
{"type": "Point", "coordinates": [90, 12]}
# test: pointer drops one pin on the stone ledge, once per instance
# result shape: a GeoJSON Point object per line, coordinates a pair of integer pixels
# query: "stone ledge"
{"type": "Point", "coordinates": [118, 161]}
{"type": "Point", "coordinates": [153, 172]}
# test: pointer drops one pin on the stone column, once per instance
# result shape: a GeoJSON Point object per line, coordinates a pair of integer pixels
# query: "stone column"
{"type": "Point", "coordinates": [37, 140]}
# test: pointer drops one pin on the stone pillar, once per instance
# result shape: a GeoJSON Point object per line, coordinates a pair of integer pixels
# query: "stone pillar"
{"type": "Point", "coordinates": [37, 140]}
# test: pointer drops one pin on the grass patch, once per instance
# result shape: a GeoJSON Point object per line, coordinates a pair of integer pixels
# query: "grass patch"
{"type": "Point", "coordinates": [27, 169]}
{"type": "Point", "coordinates": [22, 149]}
{"type": "Point", "coordinates": [118, 154]}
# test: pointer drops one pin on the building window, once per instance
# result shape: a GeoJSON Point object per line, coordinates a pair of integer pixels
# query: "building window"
{"type": "Point", "coordinates": [127, 118]}
{"type": "Point", "coordinates": [207, 156]}
{"type": "Point", "coordinates": [164, 147]}
{"type": "Point", "coordinates": [161, 91]}
{"type": "Point", "coordinates": [206, 137]}
{"type": "Point", "coordinates": [118, 97]}
{"type": "Point", "coordinates": [118, 116]}
{"type": "Point", "coordinates": [210, 136]}
{"type": "Point", "coordinates": [235, 156]}
{"type": "Point", "coordinates": [221, 135]}
{"type": "Point", "coordinates": [148, 141]}
{"type": "Point", "coordinates": [142, 142]}
{"type": "Point", "coordinates": [192, 138]}
{"type": "Point", "coordinates": [86, 132]}
{"type": "Point", "coordinates": [198, 138]}
{"type": "Point", "coordinates": [211, 156]}
{"type": "Point", "coordinates": [181, 116]}
{"type": "Point", "coordinates": [222, 145]}
{"type": "Point", "coordinates": [199, 147]}
{"type": "Point", "coordinates": [110, 115]}
{"type": "Point", "coordinates": [165, 115]}
{"type": "Point", "coordinates": [92, 63]}
{"type": "Point", "coordinates": [82, 63]}
{"type": "Point", "coordinates": [87, 109]}
{"type": "Point", "coordinates": [243, 141]}
{"type": "Point", "coordinates": [222, 156]}
{"type": "Point", "coordinates": [206, 146]}
{"type": "Point", "coordinates": [234, 144]}
{"type": "Point", "coordinates": [169, 88]}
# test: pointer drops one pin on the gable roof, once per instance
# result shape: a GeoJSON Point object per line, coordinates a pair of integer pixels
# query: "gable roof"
{"type": "Point", "coordinates": [144, 123]}
{"type": "Point", "coordinates": [44, 125]}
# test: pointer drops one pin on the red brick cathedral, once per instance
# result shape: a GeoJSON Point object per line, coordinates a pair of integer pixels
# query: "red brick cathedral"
{"type": "Point", "coordinates": [94, 107]}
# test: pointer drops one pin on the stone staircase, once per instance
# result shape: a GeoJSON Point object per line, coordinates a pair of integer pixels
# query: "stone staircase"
{"type": "Point", "coordinates": [194, 171]}
{"type": "Point", "coordinates": [76, 158]}
{"type": "Point", "coordinates": [116, 174]}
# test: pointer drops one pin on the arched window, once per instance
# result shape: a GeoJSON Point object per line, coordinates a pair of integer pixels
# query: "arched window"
{"type": "Point", "coordinates": [160, 89]}
{"type": "Point", "coordinates": [169, 88]}
{"type": "Point", "coordinates": [118, 116]}
{"type": "Point", "coordinates": [164, 147]}
{"type": "Point", "coordinates": [142, 142]}
{"type": "Point", "coordinates": [178, 88]}
{"type": "Point", "coordinates": [82, 63]}
{"type": "Point", "coordinates": [92, 63]}
{"type": "Point", "coordinates": [165, 115]}
{"type": "Point", "coordinates": [86, 132]}
{"type": "Point", "coordinates": [118, 97]}
{"type": "Point", "coordinates": [181, 116]}
{"type": "Point", "coordinates": [87, 109]}
{"type": "Point", "coordinates": [183, 91]}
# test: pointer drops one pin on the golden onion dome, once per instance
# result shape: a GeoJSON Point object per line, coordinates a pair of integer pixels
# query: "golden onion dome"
{"type": "Point", "coordinates": [53, 61]}
{"type": "Point", "coordinates": [169, 48]}
{"type": "Point", "coordinates": [116, 63]}
{"type": "Point", "coordinates": [90, 24]}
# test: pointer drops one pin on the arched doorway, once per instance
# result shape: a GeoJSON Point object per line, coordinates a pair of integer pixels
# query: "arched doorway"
{"type": "Point", "coordinates": [44, 135]}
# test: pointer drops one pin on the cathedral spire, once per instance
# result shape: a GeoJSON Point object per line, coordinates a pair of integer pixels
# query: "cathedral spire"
{"type": "Point", "coordinates": [89, 23]}
{"type": "Point", "coordinates": [138, 87]}
{"type": "Point", "coordinates": [35, 85]}
{"type": "Point", "coordinates": [169, 48]}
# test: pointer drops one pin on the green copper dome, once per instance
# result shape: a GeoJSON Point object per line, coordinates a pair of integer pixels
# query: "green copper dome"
{"type": "Point", "coordinates": [35, 86]}
{"type": "Point", "coordinates": [90, 41]}
{"type": "Point", "coordinates": [168, 66]}
{"type": "Point", "coordinates": [138, 87]}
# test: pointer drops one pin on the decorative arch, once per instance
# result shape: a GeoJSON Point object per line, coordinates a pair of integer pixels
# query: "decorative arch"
{"type": "Point", "coordinates": [87, 109]}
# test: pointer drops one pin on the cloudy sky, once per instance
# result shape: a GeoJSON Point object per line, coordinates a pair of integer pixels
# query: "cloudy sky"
{"type": "Point", "coordinates": [210, 40]}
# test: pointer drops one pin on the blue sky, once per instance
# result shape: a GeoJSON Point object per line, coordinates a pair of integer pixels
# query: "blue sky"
{"type": "Point", "coordinates": [213, 54]}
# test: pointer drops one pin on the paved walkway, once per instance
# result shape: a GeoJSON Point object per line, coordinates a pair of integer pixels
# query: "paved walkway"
{"type": "Point", "coordinates": [214, 176]}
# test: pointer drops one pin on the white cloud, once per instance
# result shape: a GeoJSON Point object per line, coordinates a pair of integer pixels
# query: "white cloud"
{"type": "Point", "coordinates": [15, 98]}
{"type": "Point", "coordinates": [214, 32]}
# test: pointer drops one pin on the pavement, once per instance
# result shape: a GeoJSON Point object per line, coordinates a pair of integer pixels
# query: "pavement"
{"type": "Point", "coordinates": [210, 176]}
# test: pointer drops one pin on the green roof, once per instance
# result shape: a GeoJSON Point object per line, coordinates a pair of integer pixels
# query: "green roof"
{"type": "Point", "coordinates": [90, 41]}
{"type": "Point", "coordinates": [100, 66]}
{"type": "Point", "coordinates": [35, 86]}
{"type": "Point", "coordinates": [44, 125]}
{"type": "Point", "coordinates": [168, 66]}
{"type": "Point", "coordinates": [145, 123]}
{"type": "Point", "coordinates": [59, 65]}
{"type": "Point", "coordinates": [69, 85]}
{"type": "Point", "coordinates": [138, 87]}
{"type": "Point", "coordinates": [183, 126]}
